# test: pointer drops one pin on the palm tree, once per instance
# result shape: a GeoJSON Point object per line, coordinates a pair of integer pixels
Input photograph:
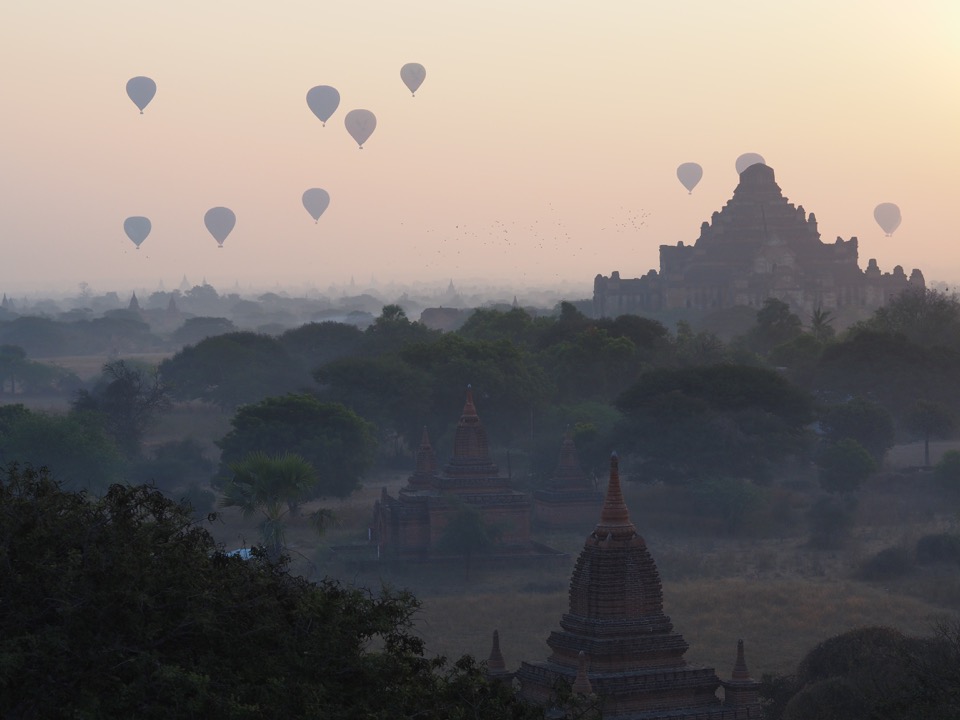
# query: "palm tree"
{"type": "Point", "coordinates": [273, 486]}
{"type": "Point", "coordinates": [821, 325]}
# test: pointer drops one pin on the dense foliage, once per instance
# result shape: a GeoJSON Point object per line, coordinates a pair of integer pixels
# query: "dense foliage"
{"type": "Point", "coordinates": [719, 420]}
{"type": "Point", "coordinates": [337, 442]}
{"type": "Point", "coordinates": [122, 607]}
{"type": "Point", "coordinates": [77, 452]}
{"type": "Point", "coordinates": [872, 673]}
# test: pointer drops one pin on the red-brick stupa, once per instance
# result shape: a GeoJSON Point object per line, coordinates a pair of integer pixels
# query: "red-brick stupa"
{"type": "Point", "coordinates": [617, 644]}
{"type": "Point", "coordinates": [412, 524]}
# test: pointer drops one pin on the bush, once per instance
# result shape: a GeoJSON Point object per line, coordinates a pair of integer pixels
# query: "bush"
{"type": "Point", "coordinates": [947, 471]}
{"type": "Point", "coordinates": [844, 466]}
{"type": "Point", "coordinates": [942, 547]}
{"type": "Point", "coordinates": [830, 520]}
{"type": "Point", "coordinates": [174, 466]}
{"type": "Point", "coordinates": [728, 502]}
{"type": "Point", "coordinates": [889, 563]}
{"type": "Point", "coordinates": [200, 499]}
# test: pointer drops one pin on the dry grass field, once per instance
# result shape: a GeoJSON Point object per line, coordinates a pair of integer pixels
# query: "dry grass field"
{"type": "Point", "coordinates": [777, 594]}
{"type": "Point", "coordinates": [87, 367]}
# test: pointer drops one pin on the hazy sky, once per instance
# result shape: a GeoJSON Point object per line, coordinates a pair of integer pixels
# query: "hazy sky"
{"type": "Point", "coordinates": [542, 146]}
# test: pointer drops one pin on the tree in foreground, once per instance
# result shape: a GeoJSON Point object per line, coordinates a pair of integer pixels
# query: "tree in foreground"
{"type": "Point", "coordinates": [122, 607]}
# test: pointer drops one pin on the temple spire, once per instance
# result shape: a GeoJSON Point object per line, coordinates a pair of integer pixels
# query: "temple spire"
{"type": "Point", "coordinates": [740, 671]}
{"type": "Point", "coordinates": [471, 447]}
{"type": "Point", "coordinates": [469, 409]}
{"type": "Point", "coordinates": [426, 459]}
{"type": "Point", "coordinates": [741, 689]}
{"type": "Point", "coordinates": [496, 663]}
{"type": "Point", "coordinates": [614, 518]}
{"type": "Point", "coordinates": [496, 667]}
{"type": "Point", "coordinates": [581, 684]}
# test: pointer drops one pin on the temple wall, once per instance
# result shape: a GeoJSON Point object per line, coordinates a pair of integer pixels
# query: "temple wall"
{"type": "Point", "coordinates": [413, 535]}
{"type": "Point", "coordinates": [868, 293]}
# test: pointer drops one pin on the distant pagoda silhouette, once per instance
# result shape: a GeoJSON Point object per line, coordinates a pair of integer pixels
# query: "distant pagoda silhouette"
{"type": "Point", "coordinates": [412, 525]}
{"type": "Point", "coordinates": [617, 644]}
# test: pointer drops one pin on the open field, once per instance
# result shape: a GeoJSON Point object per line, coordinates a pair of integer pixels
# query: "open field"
{"type": "Point", "coordinates": [778, 595]}
{"type": "Point", "coordinates": [87, 367]}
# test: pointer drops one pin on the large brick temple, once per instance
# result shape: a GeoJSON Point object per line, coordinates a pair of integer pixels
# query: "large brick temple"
{"type": "Point", "coordinates": [616, 643]}
{"type": "Point", "coordinates": [758, 246]}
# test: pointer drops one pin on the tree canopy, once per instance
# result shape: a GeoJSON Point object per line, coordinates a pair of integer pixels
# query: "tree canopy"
{"type": "Point", "coordinates": [337, 442]}
{"type": "Point", "coordinates": [232, 369]}
{"type": "Point", "coordinates": [126, 399]}
{"type": "Point", "coordinates": [719, 420]}
{"type": "Point", "coordinates": [872, 673]}
{"type": "Point", "coordinates": [76, 451]}
{"type": "Point", "coordinates": [123, 607]}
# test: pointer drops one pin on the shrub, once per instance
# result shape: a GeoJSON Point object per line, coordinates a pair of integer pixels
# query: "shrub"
{"type": "Point", "coordinates": [844, 466]}
{"type": "Point", "coordinates": [727, 501]}
{"type": "Point", "coordinates": [942, 547]}
{"type": "Point", "coordinates": [830, 520]}
{"type": "Point", "coordinates": [889, 563]}
{"type": "Point", "coordinates": [947, 471]}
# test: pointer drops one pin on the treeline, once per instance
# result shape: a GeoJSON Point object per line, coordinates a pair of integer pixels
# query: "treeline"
{"type": "Point", "coordinates": [684, 405]}
{"type": "Point", "coordinates": [165, 321]}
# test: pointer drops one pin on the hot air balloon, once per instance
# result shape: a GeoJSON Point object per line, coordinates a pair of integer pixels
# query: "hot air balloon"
{"type": "Point", "coordinates": [316, 201]}
{"type": "Point", "coordinates": [689, 174]}
{"type": "Point", "coordinates": [137, 228]}
{"type": "Point", "coordinates": [360, 124]}
{"type": "Point", "coordinates": [887, 216]}
{"type": "Point", "coordinates": [141, 90]}
{"type": "Point", "coordinates": [748, 159]}
{"type": "Point", "coordinates": [219, 222]}
{"type": "Point", "coordinates": [323, 100]}
{"type": "Point", "coordinates": [413, 75]}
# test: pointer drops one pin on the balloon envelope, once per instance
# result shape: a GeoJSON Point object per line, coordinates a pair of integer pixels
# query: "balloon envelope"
{"type": "Point", "coordinates": [689, 174]}
{"type": "Point", "coordinates": [413, 75]}
{"type": "Point", "coordinates": [323, 100]}
{"type": "Point", "coordinates": [887, 216]}
{"type": "Point", "coordinates": [748, 159]}
{"type": "Point", "coordinates": [141, 90]}
{"type": "Point", "coordinates": [137, 228]}
{"type": "Point", "coordinates": [316, 200]}
{"type": "Point", "coordinates": [219, 222]}
{"type": "Point", "coordinates": [360, 124]}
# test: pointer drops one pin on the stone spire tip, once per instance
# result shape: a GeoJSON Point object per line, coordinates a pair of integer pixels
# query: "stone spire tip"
{"type": "Point", "coordinates": [581, 684]}
{"type": "Point", "coordinates": [614, 516]}
{"type": "Point", "coordinates": [495, 662]}
{"type": "Point", "coordinates": [740, 671]}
